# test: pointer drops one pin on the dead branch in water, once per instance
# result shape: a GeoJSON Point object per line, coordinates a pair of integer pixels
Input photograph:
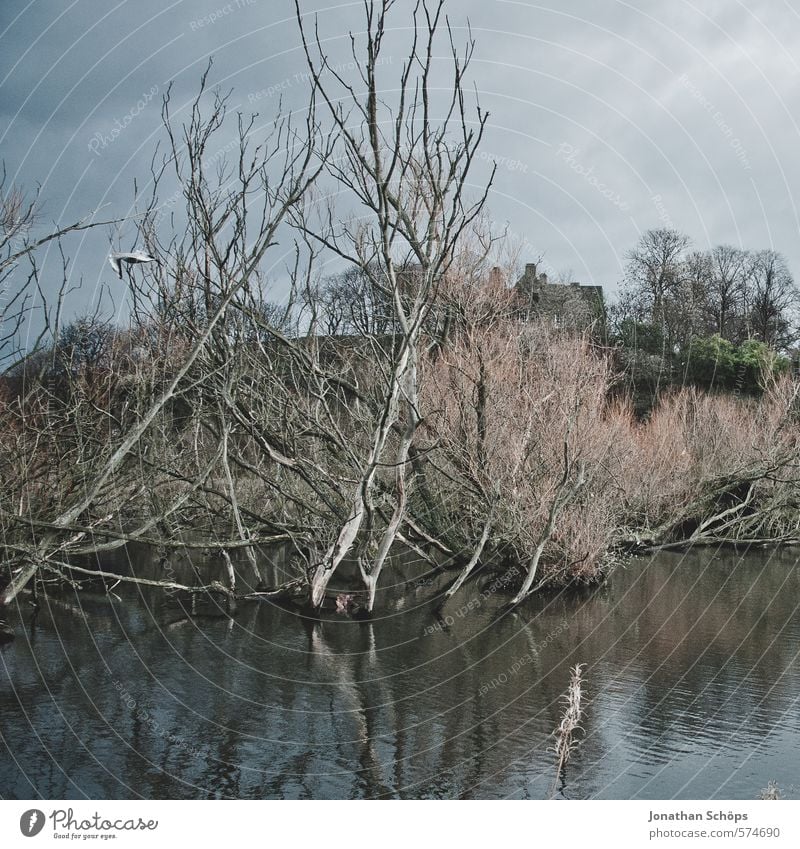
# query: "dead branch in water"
{"type": "Point", "coordinates": [473, 561]}
{"type": "Point", "coordinates": [286, 590]}
{"type": "Point", "coordinates": [771, 792]}
{"type": "Point", "coordinates": [570, 724]}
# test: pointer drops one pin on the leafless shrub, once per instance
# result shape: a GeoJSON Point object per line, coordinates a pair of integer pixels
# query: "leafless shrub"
{"type": "Point", "coordinates": [526, 442]}
{"type": "Point", "coordinates": [708, 466]}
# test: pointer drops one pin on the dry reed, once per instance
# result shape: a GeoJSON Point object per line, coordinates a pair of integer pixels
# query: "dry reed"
{"type": "Point", "coordinates": [570, 724]}
{"type": "Point", "coordinates": [771, 791]}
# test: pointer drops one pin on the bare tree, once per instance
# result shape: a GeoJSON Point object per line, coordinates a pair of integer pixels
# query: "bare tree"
{"type": "Point", "coordinates": [223, 246]}
{"type": "Point", "coordinates": [21, 298]}
{"type": "Point", "coordinates": [407, 171]}
{"type": "Point", "coordinates": [772, 300]}
{"type": "Point", "coordinates": [350, 304]}
{"type": "Point", "coordinates": [685, 309]}
{"type": "Point", "coordinates": [653, 270]}
{"type": "Point", "coordinates": [726, 290]}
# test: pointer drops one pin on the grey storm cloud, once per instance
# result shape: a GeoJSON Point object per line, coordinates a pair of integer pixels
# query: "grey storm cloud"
{"type": "Point", "coordinates": [606, 118]}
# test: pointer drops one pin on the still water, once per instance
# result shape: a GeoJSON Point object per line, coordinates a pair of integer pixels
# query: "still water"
{"type": "Point", "coordinates": [691, 690]}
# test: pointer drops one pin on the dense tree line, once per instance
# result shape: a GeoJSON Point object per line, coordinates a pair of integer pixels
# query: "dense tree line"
{"type": "Point", "coordinates": [720, 318]}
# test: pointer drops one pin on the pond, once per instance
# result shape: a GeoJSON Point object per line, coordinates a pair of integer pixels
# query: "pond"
{"type": "Point", "coordinates": [691, 687]}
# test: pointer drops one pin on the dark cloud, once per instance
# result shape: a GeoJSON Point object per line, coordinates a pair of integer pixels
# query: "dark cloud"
{"type": "Point", "coordinates": [606, 118]}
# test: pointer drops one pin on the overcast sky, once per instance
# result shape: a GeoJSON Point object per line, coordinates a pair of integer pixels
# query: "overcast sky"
{"type": "Point", "coordinates": [607, 118]}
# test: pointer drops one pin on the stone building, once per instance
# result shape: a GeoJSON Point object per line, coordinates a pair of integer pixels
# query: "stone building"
{"type": "Point", "coordinates": [568, 304]}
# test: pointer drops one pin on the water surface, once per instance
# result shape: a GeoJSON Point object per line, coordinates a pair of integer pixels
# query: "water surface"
{"type": "Point", "coordinates": [691, 689]}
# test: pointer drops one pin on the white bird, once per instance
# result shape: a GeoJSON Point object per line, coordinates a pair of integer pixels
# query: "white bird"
{"type": "Point", "coordinates": [132, 257]}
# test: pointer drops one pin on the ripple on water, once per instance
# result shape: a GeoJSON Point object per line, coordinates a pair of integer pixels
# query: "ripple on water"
{"type": "Point", "coordinates": [691, 689]}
